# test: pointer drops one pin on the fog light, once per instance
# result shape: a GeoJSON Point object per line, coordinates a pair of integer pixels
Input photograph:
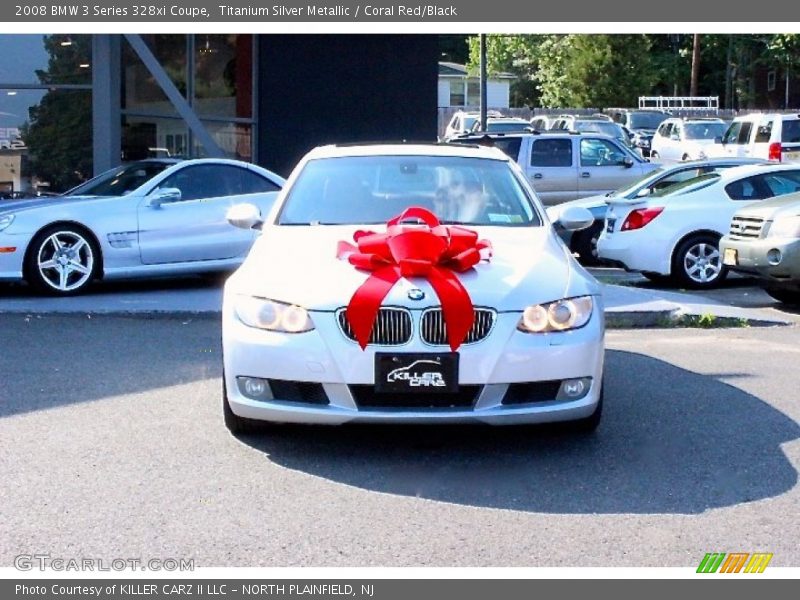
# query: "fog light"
{"type": "Point", "coordinates": [774, 256]}
{"type": "Point", "coordinates": [574, 389]}
{"type": "Point", "coordinates": [254, 388]}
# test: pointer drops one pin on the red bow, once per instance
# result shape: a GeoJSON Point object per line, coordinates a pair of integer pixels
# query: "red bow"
{"type": "Point", "coordinates": [433, 251]}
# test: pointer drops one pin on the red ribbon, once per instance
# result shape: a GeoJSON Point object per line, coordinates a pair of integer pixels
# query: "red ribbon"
{"type": "Point", "coordinates": [433, 251]}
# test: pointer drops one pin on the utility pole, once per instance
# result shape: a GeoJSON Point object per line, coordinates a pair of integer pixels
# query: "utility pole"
{"type": "Point", "coordinates": [483, 82]}
{"type": "Point", "coordinates": [695, 65]}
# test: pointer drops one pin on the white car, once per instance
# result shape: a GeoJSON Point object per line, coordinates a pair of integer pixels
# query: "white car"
{"type": "Point", "coordinates": [675, 232]}
{"type": "Point", "coordinates": [769, 136]}
{"type": "Point", "coordinates": [534, 349]}
{"type": "Point", "coordinates": [685, 139]}
{"type": "Point", "coordinates": [151, 218]}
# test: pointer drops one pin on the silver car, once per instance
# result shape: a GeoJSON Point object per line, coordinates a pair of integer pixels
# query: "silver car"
{"type": "Point", "coordinates": [149, 218]}
{"type": "Point", "coordinates": [764, 241]}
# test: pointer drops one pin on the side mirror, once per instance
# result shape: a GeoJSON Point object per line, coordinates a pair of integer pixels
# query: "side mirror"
{"type": "Point", "coordinates": [627, 162]}
{"type": "Point", "coordinates": [646, 191]}
{"type": "Point", "coordinates": [244, 216]}
{"type": "Point", "coordinates": [165, 196]}
{"type": "Point", "coordinates": [575, 218]}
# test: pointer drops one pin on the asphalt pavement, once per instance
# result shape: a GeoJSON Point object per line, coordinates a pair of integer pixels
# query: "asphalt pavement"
{"type": "Point", "coordinates": [112, 445]}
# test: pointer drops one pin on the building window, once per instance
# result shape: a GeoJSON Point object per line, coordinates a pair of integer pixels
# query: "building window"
{"type": "Point", "coordinates": [45, 113]}
{"type": "Point", "coordinates": [457, 95]}
{"type": "Point", "coordinates": [214, 73]}
{"type": "Point", "coordinates": [473, 93]}
{"type": "Point", "coordinates": [771, 77]}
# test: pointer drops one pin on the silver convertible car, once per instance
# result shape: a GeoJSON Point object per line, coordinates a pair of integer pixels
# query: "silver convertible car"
{"type": "Point", "coordinates": [150, 218]}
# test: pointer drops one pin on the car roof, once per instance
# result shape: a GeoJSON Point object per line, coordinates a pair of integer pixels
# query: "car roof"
{"type": "Point", "coordinates": [748, 170]}
{"type": "Point", "coordinates": [418, 149]}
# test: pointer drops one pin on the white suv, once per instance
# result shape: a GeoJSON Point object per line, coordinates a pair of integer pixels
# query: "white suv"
{"type": "Point", "coordinates": [685, 139]}
{"type": "Point", "coordinates": [769, 136]}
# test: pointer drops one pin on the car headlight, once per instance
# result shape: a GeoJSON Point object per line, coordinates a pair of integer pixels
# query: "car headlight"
{"type": "Point", "coordinates": [787, 227]}
{"type": "Point", "coordinates": [272, 316]}
{"type": "Point", "coordinates": [6, 221]}
{"type": "Point", "coordinates": [561, 315]}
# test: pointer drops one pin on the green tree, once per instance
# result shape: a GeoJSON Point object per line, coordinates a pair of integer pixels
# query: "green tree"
{"type": "Point", "coordinates": [515, 54]}
{"type": "Point", "coordinates": [58, 132]}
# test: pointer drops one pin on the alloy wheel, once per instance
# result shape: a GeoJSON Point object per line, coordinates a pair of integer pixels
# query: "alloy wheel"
{"type": "Point", "coordinates": [702, 263]}
{"type": "Point", "coordinates": [65, 261]}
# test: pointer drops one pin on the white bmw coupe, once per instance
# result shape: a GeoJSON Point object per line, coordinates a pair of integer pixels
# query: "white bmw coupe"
{"type": "Point", "coordinates": [466, 307]}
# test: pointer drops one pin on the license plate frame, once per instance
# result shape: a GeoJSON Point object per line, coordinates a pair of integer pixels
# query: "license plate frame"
{"type": "Point", "coordinates": [416, 372]}
{"type": "Point", "coordinates": [610, 225]}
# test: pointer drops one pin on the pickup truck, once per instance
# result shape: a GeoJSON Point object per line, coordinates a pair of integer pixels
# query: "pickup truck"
{"type": "Point", "coordinates": [564, 166]}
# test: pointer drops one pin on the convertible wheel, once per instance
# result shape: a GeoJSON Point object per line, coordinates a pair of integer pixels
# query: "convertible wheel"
{"type": "Point", "coordinates": [697, 263]}
{"type": "Point", "coordinates": [785, 295]}
{"type": "Point", "coordinates": [62, 261]}
{"type": "Point", "coordinates": [585, 243]}
{"type": "Point", "coordinates": [236, 424]}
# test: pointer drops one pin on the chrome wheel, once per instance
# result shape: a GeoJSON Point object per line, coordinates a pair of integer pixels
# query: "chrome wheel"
{"type": "Point", "coordinates": [65, 261]}
{"type": "Point", "coordinates": [701, 262]}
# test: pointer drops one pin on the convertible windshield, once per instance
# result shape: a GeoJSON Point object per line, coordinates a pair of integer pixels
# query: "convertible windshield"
{"type": "Point", "coordinates": [120, 180]}
{"type": "Point", "coordinates": [372, 189]}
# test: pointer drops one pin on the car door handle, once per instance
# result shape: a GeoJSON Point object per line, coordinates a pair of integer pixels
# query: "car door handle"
{"type": "Point", "coordinates": [586, 174]}
{"type": "Point", "coordinates": [538, 176]}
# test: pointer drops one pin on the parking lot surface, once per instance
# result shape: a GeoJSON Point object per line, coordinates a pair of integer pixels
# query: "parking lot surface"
{"type": "Point", "coordinates": [113, 446]}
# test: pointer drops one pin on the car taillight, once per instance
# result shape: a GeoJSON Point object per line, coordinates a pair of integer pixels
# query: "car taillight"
{"type": "Point", "coordinates": [640, 217]}
{"type": "Point", "coordinates": [775, 151]}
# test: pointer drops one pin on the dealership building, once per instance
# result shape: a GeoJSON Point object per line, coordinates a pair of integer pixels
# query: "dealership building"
{"type": "Point", "coordinates": [76, 105]}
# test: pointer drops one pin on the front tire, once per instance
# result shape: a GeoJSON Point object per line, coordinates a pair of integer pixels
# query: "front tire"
{"type": "Point", "coordinates": [62, 261]}
{"type": "Point", "coordinates": [697, 263]}
{"type": "Point", "coordinates": [238, 425]}
{"type": "Point", "coordinates": [585, 243]}
{"type": "Point", "coordinates": [589, 424]}
{"type": "Point", "coordinates": [784, 295]}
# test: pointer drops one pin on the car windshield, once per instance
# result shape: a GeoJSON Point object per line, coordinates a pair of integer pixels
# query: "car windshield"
{"type": "Point", "coordinates": [368, 190]}
{"type": "Point", "coordinates": [507, 126]}
{"type": "Point", "coordinates": [119, 180]}
{"type": "Point", "coordinates": [646, 120]}
{"type": "Point", "coordinates": [604, 127]}
{"type": "Point", "coordinates": [468, 123]}
{"type": "Point", "coordinates": [704, 131]}
{"type": "Point", "coordinates": [690, 185]}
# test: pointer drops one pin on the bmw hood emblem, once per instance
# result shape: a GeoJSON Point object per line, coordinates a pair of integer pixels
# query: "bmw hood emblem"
{"type": "Point", "coordinates": [416, 294]}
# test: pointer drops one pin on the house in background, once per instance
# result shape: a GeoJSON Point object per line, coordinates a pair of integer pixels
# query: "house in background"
{"type": "Point", "coordinates": [459, 89]}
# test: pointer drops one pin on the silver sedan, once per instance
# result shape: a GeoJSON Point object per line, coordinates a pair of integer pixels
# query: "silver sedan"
{"type": "Point", "coordinates": [149, 218]}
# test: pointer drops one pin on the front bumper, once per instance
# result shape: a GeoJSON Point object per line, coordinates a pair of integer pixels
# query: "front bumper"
{"type": "Point", "coordinates": [326, 356]}
{"type": "Point", "coordinates": [11, 261]}
{"type": "Point", "coordinates": [753, 257]}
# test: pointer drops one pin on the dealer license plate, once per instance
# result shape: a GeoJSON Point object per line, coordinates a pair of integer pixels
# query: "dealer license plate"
{"type": "Point", "coordinates": [791, 156]}
{"type": "Point", "coordinates": [730, 257]}
{"type": "Point", "coordinates": [424, 372]}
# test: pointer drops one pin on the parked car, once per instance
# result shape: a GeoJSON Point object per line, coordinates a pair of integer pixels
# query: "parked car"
{"type": "Point", "coordinates": [768, 136]}
{"type": "Point", "coordinates": [584, 243]}
{"type": "Point", "coordinates": [685, 139]}
{"type": "Point", "coordinates": [563, 166]}
{"type": "Point", "coordinates": [502, 125]}
{"type": "Point", "coordinates": [642, 124]}
{"type": "Point", "coordinates": [153, 217]}
{"type": "Point", "coordinates": [675, 232]}
{"type": "Point", "coordinates": [604, 126]}
{"type": "Point", "coordinates": [291, 350]}
{"type": "Point", "coordinates": [462, 121]}
{"type": "Point", "coordinates": [764, 240]}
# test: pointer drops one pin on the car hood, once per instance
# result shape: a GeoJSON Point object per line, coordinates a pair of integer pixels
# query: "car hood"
{"type": "Point", "coordinates": [16, 206]}
{"type": "Point", "coordinates": [769, 210]}
{"type": "Point", "coordinates": [298, 264]}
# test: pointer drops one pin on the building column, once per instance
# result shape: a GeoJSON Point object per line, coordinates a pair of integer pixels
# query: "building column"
{"type": "Point", "coordinates": [106, 92]}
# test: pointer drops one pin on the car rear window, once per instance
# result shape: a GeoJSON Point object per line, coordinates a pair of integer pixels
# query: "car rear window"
{"type": "Point", "coordinates": [791, 132]}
